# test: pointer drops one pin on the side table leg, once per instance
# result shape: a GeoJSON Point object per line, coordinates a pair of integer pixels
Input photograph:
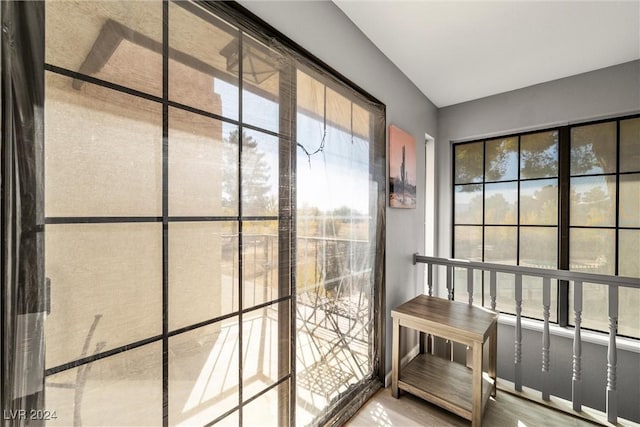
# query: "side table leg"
{"type": "Point", "coordinates": [395, 358]}
{"type": "Point", "coordinates": [493, 355]}
{"type": "Point", "coordinates": [476, 408]}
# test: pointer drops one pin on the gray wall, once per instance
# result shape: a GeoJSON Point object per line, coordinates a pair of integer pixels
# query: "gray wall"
{"type": "Point", "coordinates": [594, 370]}
{"type": "Point", "coordinates": [607, 92]}
{"type": "Point", "coordinates": [326, 32]}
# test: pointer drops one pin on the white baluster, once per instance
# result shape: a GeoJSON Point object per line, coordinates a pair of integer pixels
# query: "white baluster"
{"type": "Point", "coordinates": [470, 285]}
{"type": "Point", "coordinates": [546, 341]}
{"type": "Point", "coordinates": [492, 289]}
{"type": "Point", "coordinates": [612, 357]}
{"type": "Point", "coordinates": [518, 349]}
{"type": "Point", "coordinates": [576, 381]}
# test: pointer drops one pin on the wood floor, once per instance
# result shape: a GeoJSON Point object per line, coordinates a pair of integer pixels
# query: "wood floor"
{"type": "Point", "coordinates": [505, 411]}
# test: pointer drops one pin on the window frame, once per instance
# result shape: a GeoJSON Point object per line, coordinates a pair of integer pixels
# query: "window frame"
{"type": "Point", "coordinates": [563, 225]}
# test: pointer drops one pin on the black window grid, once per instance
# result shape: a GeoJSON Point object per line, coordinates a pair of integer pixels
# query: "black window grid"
{"type": "Point", "coordinates": [563, 224]}
{"type": "Point", "coordinates": [165, 219]}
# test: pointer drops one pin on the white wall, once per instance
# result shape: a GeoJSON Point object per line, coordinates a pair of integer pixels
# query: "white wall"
{"type": "Point", "coordinates": [608, 92]}
{"type": "Point", "coordinates": [323, 29]}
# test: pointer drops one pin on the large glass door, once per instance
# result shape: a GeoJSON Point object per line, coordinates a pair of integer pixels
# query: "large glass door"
{"type": "Point", "coordinates": [152, 274]}
{"type": "Point", "coordinates": [163, 188]}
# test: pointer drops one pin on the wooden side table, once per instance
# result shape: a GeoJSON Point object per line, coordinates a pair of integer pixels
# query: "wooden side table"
{"type": "Point", "coordinates": [438, 380]}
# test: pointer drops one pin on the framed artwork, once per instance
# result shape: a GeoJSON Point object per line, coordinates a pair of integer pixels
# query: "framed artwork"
{"type": "Point", "coordinates": [402, 169]}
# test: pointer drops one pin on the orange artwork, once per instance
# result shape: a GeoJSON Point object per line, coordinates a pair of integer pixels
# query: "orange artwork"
{"type": "Point", "coordinates": [402, 169]}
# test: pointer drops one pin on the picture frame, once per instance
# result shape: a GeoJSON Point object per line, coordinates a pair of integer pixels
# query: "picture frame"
{"type": "Point", "coordinates": [402, 169]}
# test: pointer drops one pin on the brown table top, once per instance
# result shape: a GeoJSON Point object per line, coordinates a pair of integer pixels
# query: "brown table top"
{"type": "Point", "coordinates": [470, 320]}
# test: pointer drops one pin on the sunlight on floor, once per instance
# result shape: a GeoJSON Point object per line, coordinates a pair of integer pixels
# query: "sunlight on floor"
{"type": "Point", "coordinates": [380, 416]}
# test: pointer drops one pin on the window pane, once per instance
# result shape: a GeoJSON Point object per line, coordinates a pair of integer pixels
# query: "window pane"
{"type": "Point", "coordinates": [103, 152]}
{"type": "Point", "coordinates": [593, 201]}
{"type": "Point", "coordinates": [532, 289]}
{"type": "Point", "coordinates": [263, 411]}
{"type": "Point", "coordinates": [265, 336]}
{"type": "Point", "coordinates": [501, 203]}
{"type": "Point", "coordinates": [468, 243]}
{"type": "Point", "coordinates": [203, 176]}
{"type": "Point", "coordinates": [630, 200]}
{"type": "Point", "coordinates": [461, 286]}
{"type": "Point", "coordinates": [539, 155]}
{"type": "Point", "coordinates": [539, 202]}
{"type": "Point", "coordinates": [231, 420]}
{"type": "Point", "coordinates": [203, 373]}
{"type": "Point", "coordinates": [501, 245]}
{"type": "Point", "coordinates": [203, 276]}
{"type": "Point", "coordinates": [259, 174]}
{"type": "Point", "coordinates": [103, 276]}
{"type": "Point", "coordinates": [260, 263]}
{"type": "Point", "coordinates": [468, 163]}
{"type": "Point", "coordinates": [468, 204]}
{"type": "Point", "coordinates": [595, 313]}
{"type": "Point", "coordinates": [124, 389]}
{"type": "Point", "coordinates": [594, 306]}
{"type": "Point", "coordinates": [539, 247]}
{"type": "Point", "coordinates": [630, 145]}
{"type": "Point", "coordinates": [119, 42]}
{"type": "Point", "coordinates": [596, 258]}
{"type": "Point", "coordinates": [592, 250]}
{"type": "Point", "coordinates": [629, 316]}
{"type": "Point", "coordinates": [593, 149]}
{"type": "Point", "coordinates": [261, 75]}
{"type": "Point", "coordinates": [201, 72]}
{"type": "Point", "coordinates": [501, 162]}
{"type": "Point", "coordinates": [505, 293]}
{"type": "Point", "coordinates": [629, 299]}
{"type": "Point", "coordinates": [629, 253]}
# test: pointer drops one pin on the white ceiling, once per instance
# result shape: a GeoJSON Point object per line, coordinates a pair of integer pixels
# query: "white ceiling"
{"type": "Point", "coordinates": [456, 51]}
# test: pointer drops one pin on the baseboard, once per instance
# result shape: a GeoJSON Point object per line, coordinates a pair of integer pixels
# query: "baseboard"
{"type": "Point", "coordinates": [406, 359]}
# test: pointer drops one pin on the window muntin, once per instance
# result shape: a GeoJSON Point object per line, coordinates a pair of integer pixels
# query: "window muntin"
{"type": "Point", "coordinates": [514, 174]}
{"type": "Point", "coordinates": [602, 175]}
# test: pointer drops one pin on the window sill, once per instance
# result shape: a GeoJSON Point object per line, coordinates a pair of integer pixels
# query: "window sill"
{"type": "Point", "coordinates": [598, 338]}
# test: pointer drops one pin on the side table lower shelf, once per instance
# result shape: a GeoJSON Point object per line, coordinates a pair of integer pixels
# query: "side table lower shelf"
{"type": "Point", "coordinates": [443, 383]}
